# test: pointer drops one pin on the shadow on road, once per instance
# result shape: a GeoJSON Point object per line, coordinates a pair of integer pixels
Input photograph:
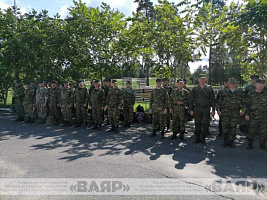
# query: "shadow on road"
{"type": "Point", "coordinates": [80, 143]}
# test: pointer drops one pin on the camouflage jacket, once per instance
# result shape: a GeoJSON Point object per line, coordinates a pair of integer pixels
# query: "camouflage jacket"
{"type": "Point", "coordinates": [66, 96]}
{"type": "Point", "coordinates": [97, 98]}
{"type": "Point", "coordinates": [168, 88]}
{"type": "Point", "coordinates": [202, 97]}
{"type": "Point", "coordinates": [41, 95]}
{"type": "Point", "coordinates": [159, 99]}
{"type": "Point", "coordinates": [179, 95]}
{"type": "Point", "coordinates": [114, 97]}
{"type": "Point", "coordinates": [257, 105]}
{"type": "Point", "coordinates": [128, 96]}
{"type": "Point", "coordinates": [19, 93]}
{"type": "Point", "coordinates": [29, 95]}
{"type": "Point", "coordinates": [54, 96]}
{"type": "Point", "coordinates": [229, 100]}
{"type": "Point", "coordinates": [81, 96]}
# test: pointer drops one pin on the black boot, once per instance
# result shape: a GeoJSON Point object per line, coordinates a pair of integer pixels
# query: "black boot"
{"type": "Point", "coordinates": [204, 140]}
{"type": "Point", "coordinates": [112, 128]}
{"type": "Point", "coordinates": [99, 127]}
{"type": "Point", "coordinates": [168, 127]}
{"type": "Point", "coordinates": [174, 135]}
{"type": "Point", "coordinates": [232, 143]}
{"type": "Point", "coordinates": [95, 127]}
{"type": "Point", "coordinates": [126, 124]}
{"type": "Point", "coordinates": [162, 134]}
{"type": "Point", "coordinates": [182, 136]}
{"type": "Point", "coordinates": [153, 133]}
{"type": "Point", "coordinates": [116, 129]}
{"type": "Point", "coordinates": [225, 143]}
{"type": "Point", "coordinates": [263, 145]}
{"type": "Point", "coordinates": [28, 120]}
{"type": "Point", "coordinates": [250, 144]}
{"type": "Point", "coordinates": [197, 140]}
{"type": "Point", "coordinates": [129, 125]}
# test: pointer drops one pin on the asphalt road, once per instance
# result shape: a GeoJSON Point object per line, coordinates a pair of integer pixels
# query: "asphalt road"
{"type": "Point", "coordinates": [38, 151]}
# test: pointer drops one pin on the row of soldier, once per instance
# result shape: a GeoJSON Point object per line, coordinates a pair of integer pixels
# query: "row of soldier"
{"type": "Point", "coordinates": [58, 104]}
{"type": "Point", "coordinates": [230, 104]}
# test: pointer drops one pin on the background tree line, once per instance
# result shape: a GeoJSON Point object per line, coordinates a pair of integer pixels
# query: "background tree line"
{"type": "Point", "coordinates": [157, 40]}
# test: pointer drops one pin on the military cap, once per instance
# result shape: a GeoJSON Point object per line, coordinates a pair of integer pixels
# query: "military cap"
{"type": "Point", "coordinates": [80, 81]}
{"type": "Point", "coordinates": [40, 81]}
{"type": "Point", "coordinates": [260, 80]}
{"type": "Point", "coordinates": [202, 76]}
{"type": "Point", "coordinates": [53, 81]}
{"type": "Point", "coordinates": [66, 82]}
{"type": "Point", "coordinates": [114, 81]}
{"type": "Point", "coordinates": [96, 81]}
{"type": "Point", "coordinates": [231, 80]}
{"type": "Point", "coordinates": [180, 80]}
{"type": "Point", "coordinates": [129, 82]}
{"type": "Point", "coordinates": [254, 76]}
{"type": "Point", "coordinates": [158, 80]}
{"type": "Point", "coordinates": [165, 79]}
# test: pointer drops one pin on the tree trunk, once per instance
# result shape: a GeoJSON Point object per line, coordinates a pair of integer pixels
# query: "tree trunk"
{"type": "Point", "coordinates": [209, 82]}
{"type": "Point", "coordinates": [147, 74]}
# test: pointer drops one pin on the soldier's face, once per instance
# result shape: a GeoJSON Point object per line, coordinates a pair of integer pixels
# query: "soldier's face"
{"type": "Point", "coordinates": [232, 85]}
{"type": "Point", "coordinates": [114, 84]}
{"type": "Point", "coordinates": [165, 83]}
{"type": "Point", "coordinates": [81, 84]}
{"type": "Point", "coordinates": [66, 85]}
{"type": "Point", "coordinates": [53, 85]}
{"type": "Point", "coordinates": [180, 84]}
{"type": "Point", "coordinates": [158, 84]}
{"type": "Point", "coordinates": [202, 80]}
{"type": "Point", "coordinates": [254, 80]}
{"type": "Point", "coordinates": [97, 85]}
{"type": "Point", "coordinates": [259, 86]}
{"type": "Point", "coordinates": [128, 85]}
{"type": "Point", "coordinates": [41, 85]}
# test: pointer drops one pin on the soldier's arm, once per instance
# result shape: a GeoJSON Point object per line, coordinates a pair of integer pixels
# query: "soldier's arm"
{"type": "Point", "coordinates": [108, 97]}
{"type": "Point", "coordinates": [134, 97]}
{"type": "Point", "coordinates": [166, 99]}
{"type": "Point", "coordinates": [120, 98]}
{"type": "Point", "coordinates": [46, 95]}
{"type": "Point", "coordinates": [171, 101]}
{"type": "Point", "coordinates": [87, 97]}
{"type": "Point", "coordinates": [103, 98]}
{"type": "Point", "coordinates": [192, 99]}
{"type": "Point", "coordinates": [151, 100]}
{"type": "Point", "coordinates": [186, 98]}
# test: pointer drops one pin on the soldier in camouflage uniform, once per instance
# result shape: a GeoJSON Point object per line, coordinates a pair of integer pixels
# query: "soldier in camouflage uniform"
{"type": "Point", "coordinates": [256, 114]}
{"type": "Point", "coordinates": [54, 104]}
{"type": "Point", "coordinates": [217, 100]}
{"type": "Point", "coordinates": [41, 102]}
{"type": "Point", "coordinates": [29, 103]}
{"type": "Point", "coordinates": [19, 96]}
{"type": "Point", "coordinates": [34, 87]}
{"type": "Point", "coordinates": [66, 103]}
{"type": "Point", "coordinates": [159, 103]}
{"type": "Point", "coordinates": [97, 104]}
{"type": "Point", "coordinates": [128, 103]}
{"type": "Point", "coordinates": [179, 101]}
{"type": "Point", "coordinates": [82, 98]}
{"type": "Point", "coordinates": [229, 105]}
{"type": "Point", "coordinates": [169, 89]}
{"type": "Point", "coordinates": [105, 87]}
{"type": "Point", "coordinates": [114, 103]}
{"type": "Point", "coordinates": [202, 98]}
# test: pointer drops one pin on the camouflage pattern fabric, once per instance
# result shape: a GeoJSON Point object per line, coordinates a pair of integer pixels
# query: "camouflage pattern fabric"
{"type": "Point", "coordinates": [19, 96]}
{"type": "Point", "coordinates": [128, 103]}
{"type": "Point", "coordinates": [97, 101]}
{"type": "Point", "coordinates": [82, 99]}
{"type": "Point", "coordinates": [114, 100]}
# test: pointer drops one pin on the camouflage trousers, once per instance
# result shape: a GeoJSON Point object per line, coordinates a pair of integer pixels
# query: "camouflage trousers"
{"type": "Point", "coordinates": [168, 116]}
{"type": "Point", "coordinates": [19, 108]}
{"type": "Point", "coordinates": [179, 119]}
{"type": "Point", "coordinates": [158, 117]}
{"type": "Point", "coordinates": [128, 113]}
{"type": "Point", "coordinates": [81, 113]}
{"type": "Point", "coordinates": [202, 120]}
{"type": "Point", "coordinates": [66, 112]}
{"type": "Point", "coordinates": [257, 127]}
{"type": "Point", "coordinates": [113, 115]}
{"type": "Point", "coordinates": [97, 114]}
{"type": "Point", "coordinates": [41, 111]}
{"type": "Point", "coordinates": [54, 111]}
{"type": "Point", "coordinates": [29, 109]}
{"type": "Point", "coordinates": [229, 120]}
